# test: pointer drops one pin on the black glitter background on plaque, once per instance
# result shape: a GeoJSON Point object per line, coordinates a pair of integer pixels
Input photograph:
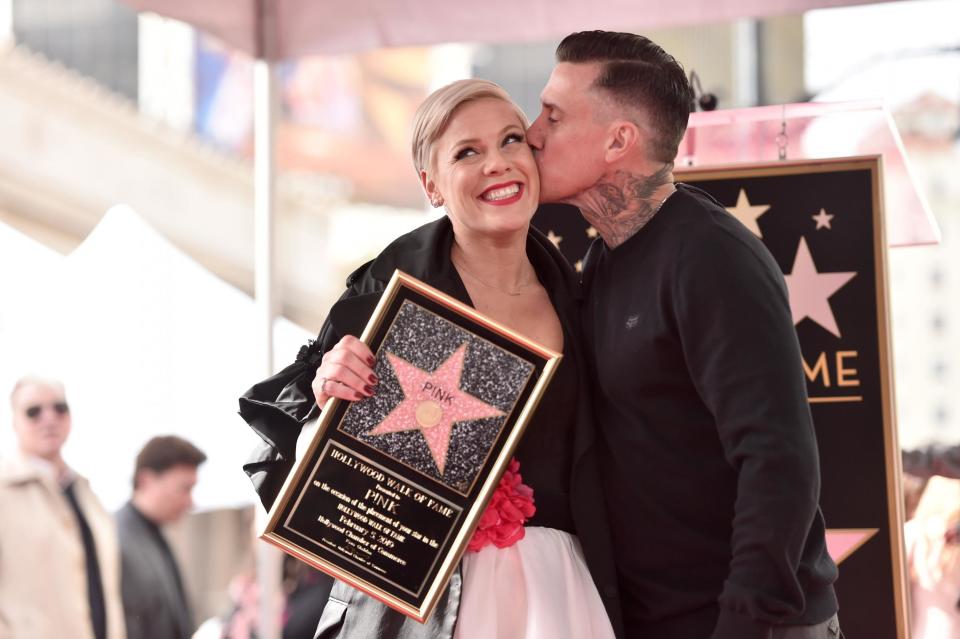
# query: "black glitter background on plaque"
{"type": "Point", "coordinates": [490, 374]}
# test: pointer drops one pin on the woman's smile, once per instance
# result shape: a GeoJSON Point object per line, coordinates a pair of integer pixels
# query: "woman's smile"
{"type": "Point", "coordinates": [503, 194]}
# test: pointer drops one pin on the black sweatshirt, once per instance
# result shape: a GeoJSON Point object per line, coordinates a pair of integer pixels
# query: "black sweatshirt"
{"type": "Point", "coordinates": [711, 465]}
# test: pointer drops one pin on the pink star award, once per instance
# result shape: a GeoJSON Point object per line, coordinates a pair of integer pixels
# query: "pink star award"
{"type": "Point", "coordinates": [433, 403]}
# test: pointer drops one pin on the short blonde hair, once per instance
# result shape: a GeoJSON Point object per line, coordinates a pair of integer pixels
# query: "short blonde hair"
{"type": "Point", "coordinates": [434, 113]}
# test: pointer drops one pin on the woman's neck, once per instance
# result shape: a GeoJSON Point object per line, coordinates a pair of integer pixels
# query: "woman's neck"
{"type": "Point", "coordinates": [498, 263]}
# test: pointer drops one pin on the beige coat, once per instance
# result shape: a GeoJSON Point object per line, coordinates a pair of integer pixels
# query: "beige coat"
{"type": "Point", "coordinates": [43, 584]}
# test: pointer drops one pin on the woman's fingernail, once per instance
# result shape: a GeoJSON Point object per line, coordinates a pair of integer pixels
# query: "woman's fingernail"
{"type": "Point", "coordinates": [357, 396]}
{"type": "Point", "coordinates": [373, 379]}
{"type": "Point", "coordinates": [371, 361]}
{"type": "Point", "coordinates": [369, 390]}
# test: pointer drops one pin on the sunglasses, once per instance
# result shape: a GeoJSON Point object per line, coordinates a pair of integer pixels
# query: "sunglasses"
{"type": "Point", "coordinates": [60, 408]}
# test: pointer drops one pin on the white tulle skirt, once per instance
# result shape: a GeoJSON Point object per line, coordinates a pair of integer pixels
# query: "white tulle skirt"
{"type": "Point", "coordinates": [539, 587]}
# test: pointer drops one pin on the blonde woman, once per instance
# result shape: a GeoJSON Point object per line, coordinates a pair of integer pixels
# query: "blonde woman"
{"type": "Point", "coordinates": [559, 580]}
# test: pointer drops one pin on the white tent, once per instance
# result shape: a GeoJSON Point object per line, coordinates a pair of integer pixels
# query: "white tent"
{"type": "Point", "coordinates": [21, 258]}
{"type": "Point", "coordinates": [25, 266]}
{"type": "Point", "coordinates": [147, 342]}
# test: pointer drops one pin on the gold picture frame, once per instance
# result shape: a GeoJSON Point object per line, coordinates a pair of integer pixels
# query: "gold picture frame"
{"type": "Point", "coordinates": [389, 490]}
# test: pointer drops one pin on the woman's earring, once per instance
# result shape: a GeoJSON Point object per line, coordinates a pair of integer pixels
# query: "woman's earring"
{"type": "Point", "coordinates": [436, 201]}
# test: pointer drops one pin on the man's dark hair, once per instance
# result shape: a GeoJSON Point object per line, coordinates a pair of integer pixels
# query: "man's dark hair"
{"type": "Point", "coordinates": [637, 73]}
{"type": "Point", "coordinates": [160, 454]}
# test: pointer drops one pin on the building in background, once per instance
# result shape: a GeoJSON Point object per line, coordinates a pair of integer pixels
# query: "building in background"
{"type": "Point", "coordinates": [97, 38]}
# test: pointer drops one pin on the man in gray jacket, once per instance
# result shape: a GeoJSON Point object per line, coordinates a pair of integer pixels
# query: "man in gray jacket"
{"type": "Point", "coordinates": [154, 599]}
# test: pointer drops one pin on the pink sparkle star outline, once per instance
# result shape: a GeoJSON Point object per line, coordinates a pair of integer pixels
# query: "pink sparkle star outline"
{"type": "Point", "coordinates": [462, 407]}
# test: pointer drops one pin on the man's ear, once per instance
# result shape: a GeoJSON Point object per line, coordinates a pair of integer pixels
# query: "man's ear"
{"type": "Point", "coordinates": [623, 138]}
{"type": "Point", "coordinates": [145, 478]}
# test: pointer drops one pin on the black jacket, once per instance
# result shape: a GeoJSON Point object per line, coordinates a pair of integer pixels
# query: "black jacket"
{"type": "Point", "coordinates": [710, 462]}
{"type": "Point", "coordinates": [154, 603]}
{"type": "Point", "coordinates": [277, 407]}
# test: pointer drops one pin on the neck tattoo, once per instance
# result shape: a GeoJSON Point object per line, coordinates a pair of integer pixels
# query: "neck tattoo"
{"type": "Point", "coordinates": [621, 204]}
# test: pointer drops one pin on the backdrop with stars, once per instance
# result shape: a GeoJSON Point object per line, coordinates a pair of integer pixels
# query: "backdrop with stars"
{"type": "Point", "coordinates": [822, 221]}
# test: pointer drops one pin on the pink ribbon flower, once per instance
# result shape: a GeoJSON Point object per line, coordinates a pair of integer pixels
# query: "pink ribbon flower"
{"type": "Point", "coordinates": [510, 506]}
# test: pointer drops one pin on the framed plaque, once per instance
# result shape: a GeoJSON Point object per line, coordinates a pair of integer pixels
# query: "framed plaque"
{"type": "Point", "coordinates": [390, 488]}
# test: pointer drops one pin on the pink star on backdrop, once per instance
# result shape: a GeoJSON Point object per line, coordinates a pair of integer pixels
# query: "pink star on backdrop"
{"type": "Point", "coordinates": [433, 403]}
{"type": "Point", "coordinates": [748, 213]}
{"type": "Point", "coordinates": [810, 290]}
{"type": "Point", "coordinates": [841, 543]}
{"type": "Point", "coordinates": [823, 220]}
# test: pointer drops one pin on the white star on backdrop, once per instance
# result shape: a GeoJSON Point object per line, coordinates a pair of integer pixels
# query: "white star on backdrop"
{"type": "Point", "coordinates": [748, 213]}
{"type": "Point", "coordinates": [810, 291]}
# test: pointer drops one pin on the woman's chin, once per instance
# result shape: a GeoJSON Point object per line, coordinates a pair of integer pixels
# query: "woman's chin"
{"type": "Point", "coordinates": [502, 223]}
{"type": "Point", "coordinates": [506, 228]}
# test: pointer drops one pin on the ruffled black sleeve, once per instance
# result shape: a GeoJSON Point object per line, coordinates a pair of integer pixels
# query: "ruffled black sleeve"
{"type": "Point", "coordinates": [276, 408]}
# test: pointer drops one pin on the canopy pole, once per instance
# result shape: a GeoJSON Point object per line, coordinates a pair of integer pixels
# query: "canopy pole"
{"type": "Point", "coordinates": [269, 559]}
{"type": "Point", "coordinates": [264, 194]}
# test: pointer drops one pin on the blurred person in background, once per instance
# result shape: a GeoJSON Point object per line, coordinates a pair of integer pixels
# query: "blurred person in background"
{"type": "Point", "coordinates": [154, 600]}
{"type": "Point", "coordinates": [59, 561]}
{"type": "Point", "coordinates": [935, 460]}
{"type": "Point", "coordinates": [306, 590]}
{"type": "Point", "coordinates": [299, 603]}
{"type": "Point", "coordinates": [933, 562]}
{"type": "Point", "coordinates": [913, 488]}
